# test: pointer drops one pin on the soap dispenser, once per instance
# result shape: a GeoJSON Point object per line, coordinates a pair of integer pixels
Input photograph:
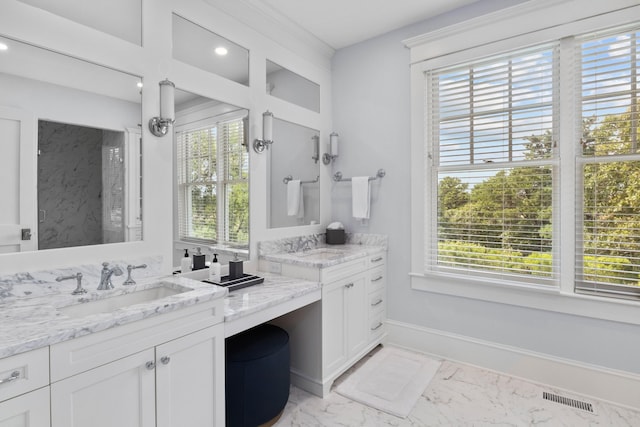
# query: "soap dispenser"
{"type": "Point", "coordinates": [185, 262]}
{"type": "Point", "coordinates": [198, 260]}
{"type": "Point", "coordinates": [214, 270]}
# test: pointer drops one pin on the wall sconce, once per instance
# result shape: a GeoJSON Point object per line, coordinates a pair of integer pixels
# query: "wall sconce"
{"type": "Point", "coordinates": [333, 149]}
{"type": "Point", "coordinates": [159, 126]}
{"type": "Point", "coordinates": [316, 148]}
{"type": "Point", "coordinates": [267, 133]}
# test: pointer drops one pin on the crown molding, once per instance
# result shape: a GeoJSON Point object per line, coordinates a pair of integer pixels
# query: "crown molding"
{"type": "Point", "coordinates": [267, 21]}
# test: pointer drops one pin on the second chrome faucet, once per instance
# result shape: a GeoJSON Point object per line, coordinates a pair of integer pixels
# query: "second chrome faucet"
{"type": "Point", "coordinates": [105, 276]}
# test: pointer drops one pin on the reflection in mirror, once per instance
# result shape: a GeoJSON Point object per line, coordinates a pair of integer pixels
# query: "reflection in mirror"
{"type": "Point", "coordinates": [212, 173]}
{"type": "Point", "coordinates": [120, 18]}
{"type": "Point", "coordinates": [291, 87]}
{"type": "Point", "coordinates": [294, 171]}
{"type": "Point", "coordinates": [197, 46]}
{"type": "Point", "coordinates": [70, 158]}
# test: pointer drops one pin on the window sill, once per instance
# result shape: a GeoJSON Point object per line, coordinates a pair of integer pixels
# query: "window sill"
{"type": "Point", "coordinates": [530, 296]}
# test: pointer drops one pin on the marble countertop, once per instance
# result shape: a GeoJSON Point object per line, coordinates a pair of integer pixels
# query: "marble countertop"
{"type": "Point", "coordinates": [324, 255]}
{"type": "Point", "coordinates": [32, 322]}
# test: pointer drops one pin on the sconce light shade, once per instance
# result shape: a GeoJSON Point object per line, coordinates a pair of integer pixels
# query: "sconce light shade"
{"type": "Point", "coordinates": [159, 126]}
{"type": "Point", "coordinates": [333, 149]}
{"type": "Point", "coordinates": [316, 148]}
{"type": "Point", "coordinates": [267, 133]}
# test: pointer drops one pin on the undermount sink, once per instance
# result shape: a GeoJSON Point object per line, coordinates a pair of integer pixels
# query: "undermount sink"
{"type": "Point", "coordinates": [321, 253]}
{"type": "Point", "coordinates": [112, 303]}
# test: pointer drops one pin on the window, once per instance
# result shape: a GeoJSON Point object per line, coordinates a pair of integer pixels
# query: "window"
{"type": "Point", "coordinates": [496, 164]}
{"type": "Point", "coordinates": [213, 185]}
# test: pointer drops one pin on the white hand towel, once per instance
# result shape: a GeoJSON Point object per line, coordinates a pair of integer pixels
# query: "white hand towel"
{"type": "Point", "coordinates": [360, 197]}
{"type": "Point", "coordinates": [294, 197]}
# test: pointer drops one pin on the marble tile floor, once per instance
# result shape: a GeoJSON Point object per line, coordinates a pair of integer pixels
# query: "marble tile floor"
{"type": "Point", "coordinates": [459, 395]}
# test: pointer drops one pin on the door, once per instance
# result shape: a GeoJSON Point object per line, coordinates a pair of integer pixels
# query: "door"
{"type": "Point", "coordinates": [29, 410]}
{"type": "Point", "coordinates": [17, 181]}
{"type": "Point", "coordinates": [334, 326]}
{"type": "Point", "coordinates": [357, 314]}
{"type": "Point", "coordinates": [190, 380]}
{"type": "Point", "coordinates": [120, 393]}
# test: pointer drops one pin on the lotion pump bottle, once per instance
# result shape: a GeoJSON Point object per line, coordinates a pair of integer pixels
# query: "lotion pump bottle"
{"type": "Point", "coordinates": [185, 263]}
{"type": "Point", "coordinates": [214, 270]}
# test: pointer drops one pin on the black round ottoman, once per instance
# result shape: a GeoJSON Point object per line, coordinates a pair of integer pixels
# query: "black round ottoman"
{"type": "Point", "coordinates": [257, 376]}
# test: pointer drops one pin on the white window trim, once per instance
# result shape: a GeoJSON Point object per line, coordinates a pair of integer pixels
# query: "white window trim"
{"type": "Point", "coordinates": [450, 46]}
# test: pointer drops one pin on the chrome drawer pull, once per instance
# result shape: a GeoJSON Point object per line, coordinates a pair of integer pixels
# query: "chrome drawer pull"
{"type": "Point", "coordinates": [377, 279]}
{"type": "Point", "coordinates": [377, 259]}
{"type": "Point", "coordinates": [349, 285]}
{"type": "Point", "coordinates": [376, 303]}
{"type": "Point", "coordinates": [14, 376]}
{"type": "Point", "coordinates": [165, 360]}
{"type": "Point", "coordinates": [377, 326]}
{"type": "Point", "coordinates": [150, 365]}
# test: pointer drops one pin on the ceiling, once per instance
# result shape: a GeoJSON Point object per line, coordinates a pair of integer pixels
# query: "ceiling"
{"type": "Point", "coordinates": [340, 23]}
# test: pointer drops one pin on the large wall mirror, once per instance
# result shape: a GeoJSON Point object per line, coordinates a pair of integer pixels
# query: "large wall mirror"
{"type": "Point", "coordinates": [291, 87]}
{"type": "Point", "coordinates": [294, 168]}
{"type": "Point", "coordinates": [211, 175]}
{"type": "Point", "coordinates": [70, 152]}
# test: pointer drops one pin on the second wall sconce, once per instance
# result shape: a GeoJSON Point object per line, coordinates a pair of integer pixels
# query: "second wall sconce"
{"type": "Point", "coordinates": [333, 149]}
{"type": "Point", "coordinates": [316, 148]}
{"type": "Point", "coordinates": [267, 133]}
{"type": "Point", "coordinates": [159, 126]}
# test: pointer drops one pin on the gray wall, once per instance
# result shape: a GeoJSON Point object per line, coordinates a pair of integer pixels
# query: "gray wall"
{"type": "Point", "coordinates": [371, 112]}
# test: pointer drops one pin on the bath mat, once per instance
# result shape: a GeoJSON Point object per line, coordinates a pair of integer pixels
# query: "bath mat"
{"type": "Point", "coordinates": [392, 380]}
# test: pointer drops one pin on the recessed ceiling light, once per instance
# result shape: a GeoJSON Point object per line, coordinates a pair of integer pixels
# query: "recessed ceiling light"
{"type": "Point", "coordinates": [139, 84]}
{"type": "Point", "coordinates": [222, 51]}
{"type": "Point", "coordinates": [3, 46]}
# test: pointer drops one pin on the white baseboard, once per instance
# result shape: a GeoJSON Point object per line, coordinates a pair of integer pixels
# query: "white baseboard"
{"type": "Point", "coordinates": [617, 387]}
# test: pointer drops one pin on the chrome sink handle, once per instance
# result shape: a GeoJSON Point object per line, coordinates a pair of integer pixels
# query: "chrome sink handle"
{"type": "Point", "coordinates": [79, 290]}
{"type": "Point", "coordinates": [105, 276]}
{"type": "Point", "coordinates": [130, 267]}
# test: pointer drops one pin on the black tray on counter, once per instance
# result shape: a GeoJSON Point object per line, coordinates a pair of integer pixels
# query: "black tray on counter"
{"type": "Point", "coordinates": [234, 284]}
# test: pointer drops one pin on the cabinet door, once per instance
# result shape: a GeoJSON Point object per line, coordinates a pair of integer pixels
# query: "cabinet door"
{"type": "Point", "coordinates": [120, 393]}
{"type": "Point", "coordinates": [357, 314]}
{"type": "Point", "coordinates": [28, 410]}
{"type": "Point", "coordinates": [190, 380]}
{"type": "Point", "coordinates": [334, 326]}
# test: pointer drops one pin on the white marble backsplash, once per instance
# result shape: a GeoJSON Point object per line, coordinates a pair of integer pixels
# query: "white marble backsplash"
{"type": "Point", "coordinates": [312, 241]}
{"type": "Point", "coordinates": [39, 283]}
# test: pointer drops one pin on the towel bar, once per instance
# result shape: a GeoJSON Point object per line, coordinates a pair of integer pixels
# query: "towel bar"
{"type": "Point", "coordinates": [288, 178]}
{"type": "Point", "coordinates": [337, 177]}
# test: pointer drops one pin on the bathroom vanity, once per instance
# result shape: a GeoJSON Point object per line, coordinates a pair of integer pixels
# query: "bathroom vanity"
{"type": "Point", "coordinates": [157, 362]}
{"type": "Point", "coordinates": [330, 337]}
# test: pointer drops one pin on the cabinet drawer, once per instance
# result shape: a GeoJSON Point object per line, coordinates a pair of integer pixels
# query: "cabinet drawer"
{"type": "Point", "coordinates": [24, 372]}
{"type": "Point", "coordinates": [377, 278]}
{"type": "Point", "coordinates": [340, 271]}
{"type": "Point", "coordinates": [376, 326]}
{"type": "Point", "coordinates": [376, 303]}
{"type": "Point", "coordinates": [376, 260]}
{"type": "Point", "coordinates": [90, 351]}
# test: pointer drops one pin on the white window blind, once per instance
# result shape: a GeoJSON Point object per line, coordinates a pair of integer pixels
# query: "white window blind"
{"type": "Point", "coordinates": [491, 142]}
{"type": "Point", "coordinates": [212, 174]}
{"type": "Point", "coordinates": [609, 227]}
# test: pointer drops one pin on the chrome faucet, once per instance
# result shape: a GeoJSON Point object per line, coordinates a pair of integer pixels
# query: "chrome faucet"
{"type": "Point", "coordinates": [79, 290]}
{"type": "Point", "coordinates": [105, 276]}
{"type": "Point", "coordinates": [130, 267]}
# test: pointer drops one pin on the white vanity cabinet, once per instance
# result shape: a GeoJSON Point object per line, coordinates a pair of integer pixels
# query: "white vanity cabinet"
{"type": "Point", "coordinates": [151, 373]}
{"type": "Point", "coordinates": [327, 339]}
{"type": "Point", "coordinates": [24, 389]}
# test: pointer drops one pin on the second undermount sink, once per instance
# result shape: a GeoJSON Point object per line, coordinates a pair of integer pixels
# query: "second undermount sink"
{"type": "Point", "coordinates": [115, 302]}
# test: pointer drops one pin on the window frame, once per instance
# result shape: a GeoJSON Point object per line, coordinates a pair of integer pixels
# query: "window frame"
{"type": "Point", "coordinates": [211, 119]}
{"type": "Point", "coordinates": [450, 46]}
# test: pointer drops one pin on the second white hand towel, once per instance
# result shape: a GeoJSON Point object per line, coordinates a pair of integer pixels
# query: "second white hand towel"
{"type": "Point", "coordinates": [360, 197]}
{"type": "Point", "coordinates": [294, 197]}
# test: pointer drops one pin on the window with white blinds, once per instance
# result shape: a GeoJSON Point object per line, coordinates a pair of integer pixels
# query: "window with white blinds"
{"type": "Point", "coordinates": [213, 184]}
{"type": "Point", "coordinates": [609, 227]}
{"type": "Point", "coordinates": [491, 145]}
